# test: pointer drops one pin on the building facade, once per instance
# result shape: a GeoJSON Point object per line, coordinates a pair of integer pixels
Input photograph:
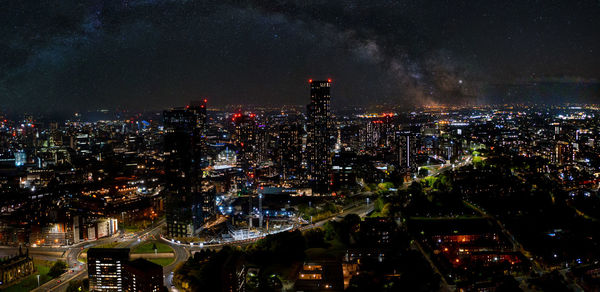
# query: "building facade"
{"type": "Point", "coordinates": [15, 268]}
{"type": "Point", "coordinates": [318, 142]}
{"type": "Point", "coordinates": [407, 152]}
{"type": "Point", "coordinates": [183, 151]}
{"type": "Point", "coordinates": [141, 275]}
{"type": "Point", "coordinates": [105, 268]}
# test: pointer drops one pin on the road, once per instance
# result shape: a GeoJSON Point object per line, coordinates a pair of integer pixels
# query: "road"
{"type": "Point", "coordinates": [181, 255]}
{"type": "Point", "coordinates": [78, 270]}
{"type": "Point", "coordinates": [360, 210]}
{"type": "Point", "coordinates": [183, 252]}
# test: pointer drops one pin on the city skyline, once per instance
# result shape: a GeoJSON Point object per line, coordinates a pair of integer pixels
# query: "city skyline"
{"type": "Point", "coordinates": [299, 145]}
{"type": "Point", "coordinates": [249, 191]}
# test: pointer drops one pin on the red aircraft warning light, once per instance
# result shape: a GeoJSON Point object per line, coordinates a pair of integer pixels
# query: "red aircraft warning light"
{"type": "Point", "coordinates": [329, 80]}
{"type": "Point", "coordinates": [309, 80]}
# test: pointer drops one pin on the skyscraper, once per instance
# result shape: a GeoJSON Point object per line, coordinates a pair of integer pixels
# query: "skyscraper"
{"type": "Point", "coordinates": [105, 268]}
{"type": "Point", "coordinates": [289, 147]}
{"type": "Point", "coordinates": [245, 138]}
{"type": "Point", "coordinates": [407, 152]}
{"type": "Point", "coordinates": [198, 108]}
{"type": "Point", "coordinates": [563, 153]}
{"type": "Point", "coordinates": [318, 141]}
{"type": "Point", "coordinates": [183, 152]}
{"type": "Point", "coordinates": [141, 275]}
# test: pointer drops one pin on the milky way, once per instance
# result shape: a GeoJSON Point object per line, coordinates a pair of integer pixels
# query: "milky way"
{"type": "Point", "coordinates": [62, 56]}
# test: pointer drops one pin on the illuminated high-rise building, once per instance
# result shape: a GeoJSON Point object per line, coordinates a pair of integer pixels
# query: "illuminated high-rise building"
{"type": "Point", "coordinates": [141, 275]}
{"type": "Point", "coordinates": [372, 134]}
{"type": "Point", "coordinates": [289, 147]}
{"type": "Point", "coordinates": [183, 152]}
{"type": "Point", "coordinates": [264, 142]}
{"type": "Point", "coordinates": [179, 126]}
{"type": "Point", "coordinates": [199, 137]}
{"type": "Point", "coordinates": [407, 152]}
{"type": "Point", "coordinates": [245, 136]}
{"type": "Point", "coordinates": [563, 153]}
{"type": "Point", "coordinates": [105, 268]}
{"type": "Point", "coordinates": [318, 141]}
{"type": "Point", "coordinates": [198, 107]}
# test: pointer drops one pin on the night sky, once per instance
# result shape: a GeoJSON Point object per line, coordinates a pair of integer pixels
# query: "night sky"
{"type": "Point", "coordinates": [145, 54]}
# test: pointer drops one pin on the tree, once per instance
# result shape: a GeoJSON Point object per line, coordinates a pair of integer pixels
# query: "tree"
{"type": "Point", "coordinates": [385, 186]}
{"type": "Point", "coordinates": [57, 269]}
{"type": "Point", "coordinates": [415, 189]}
{"type": "Point", "coordinates": [329, 230]}
{"type": "Point", "coordinates": [378, 204]}
{"type": "Point", "coordinates": [283, 247]}
{"type": "Point", "coordinates": [330, 207]}
{"type": "Point", "coordinates": [386, 210]}
{"type": "Point", "coordinates": [315, 238]}
{"type": "Point", "coordinates": [351, 220]}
